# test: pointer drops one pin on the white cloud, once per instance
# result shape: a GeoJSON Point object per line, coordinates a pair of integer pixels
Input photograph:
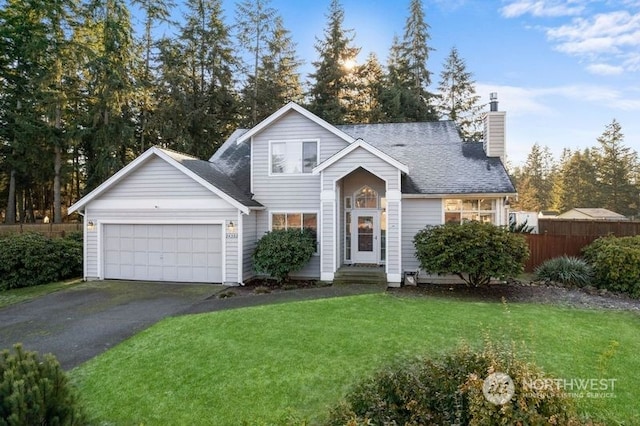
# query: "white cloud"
{"type": "Point", "coordinates": [542, 8]}
{"type": "Point", "coordinates": [605, 69]}
{"type": "Point", "coordinates": [526, 101]}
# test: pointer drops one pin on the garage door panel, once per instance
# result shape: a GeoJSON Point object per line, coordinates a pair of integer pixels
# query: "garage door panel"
{"type": "Point", "coordinates": [166, 252]}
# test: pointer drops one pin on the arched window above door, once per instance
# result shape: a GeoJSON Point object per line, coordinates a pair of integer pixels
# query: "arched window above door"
{"type": "Point", "coordinates": [366, 198]}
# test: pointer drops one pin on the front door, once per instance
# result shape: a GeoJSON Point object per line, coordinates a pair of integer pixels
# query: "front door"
{"type": "Point", "coordinates": [365, 237]}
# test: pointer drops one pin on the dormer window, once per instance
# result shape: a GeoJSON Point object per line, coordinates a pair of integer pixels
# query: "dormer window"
{"type": "Point", "coordinates": [293, 157]}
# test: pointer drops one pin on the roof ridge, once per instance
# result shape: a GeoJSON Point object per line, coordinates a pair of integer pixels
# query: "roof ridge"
{"type": "Point", "coordinates": [170, 150]}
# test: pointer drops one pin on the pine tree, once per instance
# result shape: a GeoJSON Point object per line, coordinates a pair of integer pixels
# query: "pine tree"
{"type": "Point", "coordinates": [617, 165]}
{"type": "Point", "coordinates": [366, 105]}
{"type": "Point", "coordinates": [255, 20]}
{"type": "Point", "coordinates": [155, 11]}
{"type": "Point", "coordinates": [278, 80]}
{"type": "Point", "coordinates": [109, 143]}
{"type": "Point", "coordinates": [577, 184]}
{"type": "Point", "coordinates": [331, 92]}
{"type": "Point", "coordinates": [458, 99]}
{"type": "Point", "coordinates": [198, 103]}
{"type": "Point", "coordinates": [534, 181]}
{"type": "Point", "coordinates": [407, 97]}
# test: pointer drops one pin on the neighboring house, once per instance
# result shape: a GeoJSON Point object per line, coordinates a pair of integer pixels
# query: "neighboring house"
{"type": "Point", "coordinates": [365, 189]}
{"type": "Point", "coordinates": [591, 214]}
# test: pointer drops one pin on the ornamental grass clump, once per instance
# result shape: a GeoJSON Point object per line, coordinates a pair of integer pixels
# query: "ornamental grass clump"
{"type": "Point", "coordinates": [566, 270]}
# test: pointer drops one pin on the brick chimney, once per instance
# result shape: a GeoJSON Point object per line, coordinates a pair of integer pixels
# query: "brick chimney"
{"type": "Point", "coordinates": [494, 142]}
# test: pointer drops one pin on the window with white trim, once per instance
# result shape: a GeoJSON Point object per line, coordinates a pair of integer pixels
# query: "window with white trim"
{"type": "Point", "coordinates": [472, 209]}
{"type": "Point", "coordinates": [295, 221]}
{"type": "Point", "coordinates": [293, 157]}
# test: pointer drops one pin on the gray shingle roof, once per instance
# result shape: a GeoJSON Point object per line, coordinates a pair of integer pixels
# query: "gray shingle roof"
{"type": "Point", "coordinates": [439, 162]}
{"type": "Point", "coordinates": [217, 175]}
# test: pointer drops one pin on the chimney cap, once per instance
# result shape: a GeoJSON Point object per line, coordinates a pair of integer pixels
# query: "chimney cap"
{"type": "Point", "coordinates": [493, 96]}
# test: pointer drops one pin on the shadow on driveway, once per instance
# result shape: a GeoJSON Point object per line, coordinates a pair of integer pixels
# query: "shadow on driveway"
{"type": "Point", "coordinates": [81, 322]}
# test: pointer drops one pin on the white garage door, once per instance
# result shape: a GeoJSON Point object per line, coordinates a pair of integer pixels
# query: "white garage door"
{"type": "Point", "coordinates": [182, 253]}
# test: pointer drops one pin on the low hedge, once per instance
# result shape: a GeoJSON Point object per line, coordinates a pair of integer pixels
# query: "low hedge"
{"type": "Point", "coordinates": [32, 259]}
{"type": "Point", "coordinates": [616, 264]}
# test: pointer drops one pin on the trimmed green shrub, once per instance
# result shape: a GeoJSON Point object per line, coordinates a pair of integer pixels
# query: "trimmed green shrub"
{"type": "Point", "coordinates": [616, 263]}
{"type": "Point", "coordinates": [280, 252]}
{"type": "Point", "coordinates": [567, 270]}
{"type": "Point", "coordinates": [35, 390]}
{"type": "Point", "coordinates": [474, 251]}
{"type": "Point", "coordinates": [32, 259]}
{"type": "Point", "coordinates": [449, 390]}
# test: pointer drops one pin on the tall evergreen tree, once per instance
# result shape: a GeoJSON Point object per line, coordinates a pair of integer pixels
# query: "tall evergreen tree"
{"type": "Point", "coordinates": [617, 165]}
{"type": "Point", "coordinates": [198, 102]}
{"type": "Point", "coordinates": [333, 84]}
{"type": "Point", "coordinates": [577, 184]}
{"type": "Point", "coordinates": [109, 142]}
{"type": "Point", "coordinates": [255, 21]}
{"type": "Point", "coordinates": [367, 102]}
{"type": "Point", "coordinates": [155, 12]}
{"type": "Point", "coordinates": [534, 181]}
{"type": "Point", "coordinates": [407, 97]}
{"type": "Point", "coordinates": [278, 81]}
{"type": "Point", "coordinates": [458, 99]}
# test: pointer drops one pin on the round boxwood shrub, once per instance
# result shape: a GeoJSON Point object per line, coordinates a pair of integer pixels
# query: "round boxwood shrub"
{"type": "Point", "coordinates": [35, 390]}
{"type": "Point", "coordinates": [282, 251]}
{"type": "Point", "coordinates": [474, 251]}
{"type": "Point", "coordinates": [451, 390]}
{"type": "Point", "coordinates": [567, 270]}
{"type": "Point", "coordinates": [616, 263]}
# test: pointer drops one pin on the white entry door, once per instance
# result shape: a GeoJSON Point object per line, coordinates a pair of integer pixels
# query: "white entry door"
{"type": "Point", "coordinates": [365, 237]}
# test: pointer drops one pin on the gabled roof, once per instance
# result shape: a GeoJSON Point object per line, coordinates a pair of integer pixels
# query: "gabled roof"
{"type": "Point", "coordinates": [203, 172]}
{"type": "Point", "coordinates": [439, 161]}
{"type": "Point", "coordinates": [292, 106]}
{"type": "Point", "coordinates": [595, 213]}
{"type": "Point", "coordinates": [359, 143]}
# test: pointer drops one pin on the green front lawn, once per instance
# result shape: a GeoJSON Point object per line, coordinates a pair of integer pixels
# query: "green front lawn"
{"type": "Point", "coordinates": [272, 364]}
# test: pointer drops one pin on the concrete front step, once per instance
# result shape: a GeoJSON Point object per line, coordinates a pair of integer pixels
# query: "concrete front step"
{"type": "Point", "coordinates": [355, 275]}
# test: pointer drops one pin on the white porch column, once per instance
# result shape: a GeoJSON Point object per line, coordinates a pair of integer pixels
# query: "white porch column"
{"type": "Point", "coordinates": [394, 238]}
{"type": "Point", "coordinates": [328, 235]}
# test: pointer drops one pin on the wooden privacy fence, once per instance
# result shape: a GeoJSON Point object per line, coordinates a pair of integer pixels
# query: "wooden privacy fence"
{"type": "Point", "coordinates": [544, 247]}
{"type": "Point", "coordinates": [588, 227]}
{"type": "Point", "coordinates": [48, 229]}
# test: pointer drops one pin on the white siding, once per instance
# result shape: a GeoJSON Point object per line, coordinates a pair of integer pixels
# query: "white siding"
{"type": "Point", "coordinates": [416, 214]}
{"type": "Point", "coordinates": [361, 158]}
{"type": "Point", "coordinates": [286, 192]}
{"type": "Point", "coordinates": [156, 179]}
{"type": "Point", "coordinates": [290, 193]}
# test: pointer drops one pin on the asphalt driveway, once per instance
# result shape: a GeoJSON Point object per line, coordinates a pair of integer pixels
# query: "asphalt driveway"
{"type": "Point", "coordinates": [85, 320]}
{"type": "Point", "coordinates": [81, 322]}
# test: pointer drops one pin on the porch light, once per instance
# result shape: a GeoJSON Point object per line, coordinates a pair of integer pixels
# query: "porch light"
{"type": "Point", "coordinates": [231, 227]}
{"type": "Point", "coordinates": [91, 226]}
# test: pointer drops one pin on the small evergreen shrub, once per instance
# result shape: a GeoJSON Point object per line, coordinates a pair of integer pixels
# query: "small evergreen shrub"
{"type": "Point", "coordinates": [35, 390]}
{"type": "Point", "coordinates": [616, 264]}
{"type": "Point", "coordinates": [280, 252]}
{"type": "Point", "coordinates": [474, 251]}
{"type": "Point", "coordinates": [449, 390]}
{"type": "Point", "coordinates": [567, 270]}
{"type": "Point", "coordinates": [32, 259]}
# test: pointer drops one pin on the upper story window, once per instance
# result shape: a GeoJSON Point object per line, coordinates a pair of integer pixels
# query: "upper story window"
{"type": "Point", "coordinates": [293, 157]}
{"type": "Point", "coordinates": [366, 198]}
{"type": "Point", "coordinates": [465, 210]}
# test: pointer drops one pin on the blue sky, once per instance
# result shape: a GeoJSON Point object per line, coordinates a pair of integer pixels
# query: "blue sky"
{"type": "Point", "coordinates": [563, 70]}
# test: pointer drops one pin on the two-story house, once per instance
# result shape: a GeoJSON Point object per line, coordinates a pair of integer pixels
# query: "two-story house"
{"type": "Point", "coordinates": [365, 189]}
